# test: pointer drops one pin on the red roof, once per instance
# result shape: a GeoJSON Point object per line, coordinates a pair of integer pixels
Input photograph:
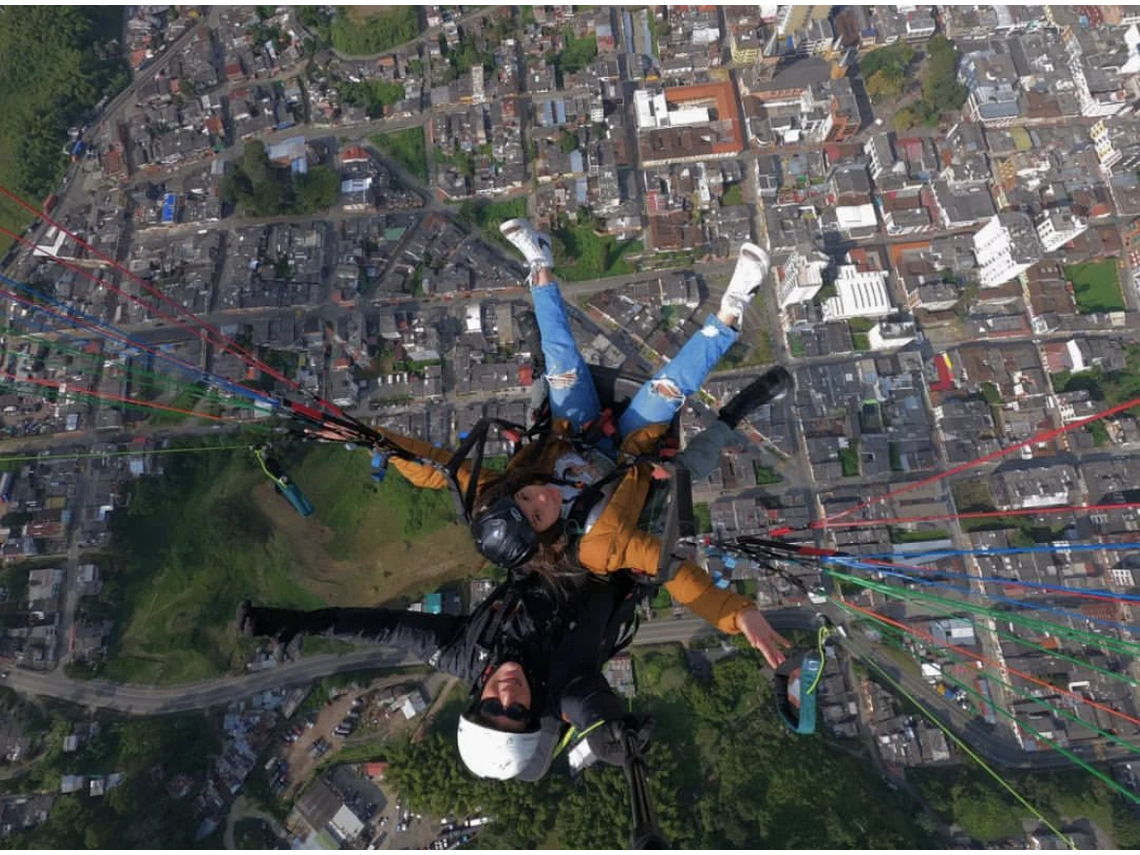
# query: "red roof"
{"type": "Point", "coordinates": [945, 378]}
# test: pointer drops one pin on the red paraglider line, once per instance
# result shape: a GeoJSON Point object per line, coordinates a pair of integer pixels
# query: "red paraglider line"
{"type": "Point", "coordinates": [107, 396]}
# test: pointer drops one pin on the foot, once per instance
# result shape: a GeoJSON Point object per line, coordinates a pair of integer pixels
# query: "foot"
{"type": "Point", "coordinates": [768, 387]}
{"type": "Point", "coordinates": [533, 244]}
{"type": "Point", "coordinates": [751, 269]}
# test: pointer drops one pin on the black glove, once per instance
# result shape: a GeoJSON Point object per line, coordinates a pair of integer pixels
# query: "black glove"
{"type": "Point", "coordinates": [282, 625]}
{"type": "Point", "coordinates": [614, 741]}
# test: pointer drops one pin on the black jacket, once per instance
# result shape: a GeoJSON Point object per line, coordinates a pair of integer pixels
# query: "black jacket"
{"type": "Point", "coordinates": [562, 641]}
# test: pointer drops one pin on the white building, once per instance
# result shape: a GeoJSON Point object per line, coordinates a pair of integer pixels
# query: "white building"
{"type": "Point", "coordinates": [801, 277]}
{"type": "Point", "coordinates": [1006, 247]}
{"type": "Point", "coordinates": [858, 294]}
{"type": "Point", "coordinates": [1057, 226]}
{"type": "Point", "coordinates": [881, 153]}
{"type": "Point", "coordinates": [892, 336]}
{"type": "Point", "coordinates": [854, 219]}
{"type": "Point", "coordinates": [652, 111]}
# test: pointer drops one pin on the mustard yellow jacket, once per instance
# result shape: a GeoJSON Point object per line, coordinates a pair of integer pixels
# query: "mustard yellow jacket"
{"type": "Point", "coordinates": [614, 542]}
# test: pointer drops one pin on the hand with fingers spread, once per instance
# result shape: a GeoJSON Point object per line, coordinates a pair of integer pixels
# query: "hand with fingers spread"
{"type": "Point", "coordinates": [761, 636]}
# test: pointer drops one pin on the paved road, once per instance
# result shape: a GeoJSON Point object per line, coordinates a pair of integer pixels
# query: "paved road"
{"type": "Point", "coordinates": [150, 700]}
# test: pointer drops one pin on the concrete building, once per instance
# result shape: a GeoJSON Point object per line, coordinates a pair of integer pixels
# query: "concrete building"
{"type": "Point", "coordinates": [1057, 226]}
{"type": "Point", "coordinates": [800, 277]}
{"type": "Point", "coordinates": [891, 336]}
{"type": "Point", "coordinates": [992, 81]}
{"type": "Point", "coordinates": [1005, 248]}
{"type": "Point", "coordinates": [859, 294]}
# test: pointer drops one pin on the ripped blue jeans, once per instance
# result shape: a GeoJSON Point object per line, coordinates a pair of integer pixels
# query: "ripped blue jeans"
{"type": "Point", "coordinates": [571, 388]}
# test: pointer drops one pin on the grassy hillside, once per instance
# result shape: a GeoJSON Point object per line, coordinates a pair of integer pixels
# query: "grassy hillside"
{"type": "Point", "coordinates": [211, 531]}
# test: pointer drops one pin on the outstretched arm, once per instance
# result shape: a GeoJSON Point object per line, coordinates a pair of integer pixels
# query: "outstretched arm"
{"type": "Point", "coordinates": [693, 588]}
{"type": "Point", "coordinates": [418, 634]}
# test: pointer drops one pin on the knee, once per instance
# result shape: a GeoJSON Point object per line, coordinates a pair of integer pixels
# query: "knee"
{"type": "Point", "coordinates": [667, 389]}
{"type": "Point", "coordinates": [562, 380]}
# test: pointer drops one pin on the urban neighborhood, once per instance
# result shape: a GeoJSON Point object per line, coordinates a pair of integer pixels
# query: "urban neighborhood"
{"type": "Point", "coordinates": [950, 198]}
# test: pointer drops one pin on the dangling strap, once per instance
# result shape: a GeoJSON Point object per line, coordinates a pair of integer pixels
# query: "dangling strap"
{"type": "Point", "coordinates": [801, 720]}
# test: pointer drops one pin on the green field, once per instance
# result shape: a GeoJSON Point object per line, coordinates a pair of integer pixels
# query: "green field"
{"type": "Point", "coordinates": [581, 254]}
{"type": "Point", "coordinates": [1096, 286]}
{"type": "Point", "coordinates": [366, 30]}
{"type": "Point", "coordinates": [488, 216]}
{"type": "Point", "coordinates": [193, 543]}
{"type": "Point", "coordinates": [406, 148]}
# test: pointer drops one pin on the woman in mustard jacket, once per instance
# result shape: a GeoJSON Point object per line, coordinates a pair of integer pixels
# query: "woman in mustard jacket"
{"type": "Point", "coordinates": [559, 507]}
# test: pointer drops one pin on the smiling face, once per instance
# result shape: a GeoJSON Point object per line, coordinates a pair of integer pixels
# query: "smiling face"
{"type": "Point", "coordinates": [541, 505]}
{"type": "Point", "coordinates": [509, 686]}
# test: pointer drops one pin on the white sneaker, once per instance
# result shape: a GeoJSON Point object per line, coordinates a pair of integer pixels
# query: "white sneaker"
{"type": "Point", "coordinates": [751, 270]}
{"type": "Point", "coordinates": [533, 244]}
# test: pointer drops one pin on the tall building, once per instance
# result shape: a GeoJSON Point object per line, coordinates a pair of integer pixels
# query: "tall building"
{"type": "Point", "coordinates": [1057, 226]}
{"type": "Point", "coordinates": [1005, 247]}
{"type": "Point", "coordinates": [801, 277]}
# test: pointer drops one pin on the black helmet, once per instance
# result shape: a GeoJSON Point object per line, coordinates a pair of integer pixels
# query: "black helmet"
{"type": "Point", "coordinates": [503, 535]}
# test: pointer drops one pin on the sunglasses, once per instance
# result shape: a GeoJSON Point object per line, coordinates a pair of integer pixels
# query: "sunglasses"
{"type": "Point", "coordinates": [494, 707]}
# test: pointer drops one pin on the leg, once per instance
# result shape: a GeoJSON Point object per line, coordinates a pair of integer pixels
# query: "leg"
{"type": "Point", "coordinates": [660, 398]}
{"type": "Point", "coordinates": [571, 388]}
{"type": "Point", "coordinates": [702, 455]}
{"type": "Point", "coordinates": [572, 392]}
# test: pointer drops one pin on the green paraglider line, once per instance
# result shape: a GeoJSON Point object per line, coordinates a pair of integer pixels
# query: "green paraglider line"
{"type": "Point", "coordinates": [79, 455]}
{"type": "Point", "coordinates": [1124, 791]}
{"type": "Point", "coordinates": [156, 380]}
{"type": "Point", "coordinates": [973, 755]}
{"type": "Point", "coordinates": [1116, 645]}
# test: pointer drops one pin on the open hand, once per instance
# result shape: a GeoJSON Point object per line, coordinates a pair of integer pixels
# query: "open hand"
{"type": "Point", "coordinates": [761, 636]}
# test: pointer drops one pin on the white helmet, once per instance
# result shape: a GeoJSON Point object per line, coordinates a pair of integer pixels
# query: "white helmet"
{"type": "Point", "coordinates": [491, 753]}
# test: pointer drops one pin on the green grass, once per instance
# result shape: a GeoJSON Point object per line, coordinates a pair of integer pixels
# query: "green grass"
{"type": "Point", "coordinates": [860, 341]}
{"type": "Point", "coordinates": [992, 394]}
{"type": "Point", "coordinates": [849, 458]}
{"type": "Point", "coordinates": [896, 457]}
{"type": "Point", "coordinates": [348, 501]}
{"type": "Point", "coordinates": [488, 216]}
{"type": "Point", "coordinates": [1096, 286]}
{"type": "Point", "coordinates": [752, 349]}
{"type": "Point", "coordinates": [194, 543]}
{"type": "Point", "coordinates": [406, 148]}
{"type": "Point", "coordinates": [362, 30]}
{"type": "Point", "coordinates": [765, 474]}
{"type": "Point", "coordinates": [580, 254]}
{"type": "Point", "coordinates": [796, 345]}
{"type": "Point", "coordinates": [734, 195]}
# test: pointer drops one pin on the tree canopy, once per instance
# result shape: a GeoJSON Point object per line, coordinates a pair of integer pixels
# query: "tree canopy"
{"type": "Point", "coordinates": [725, 774]}
{"type": "Point", "coordinates": [263, 189]}
{"type": "Point", "coordinates": [56, 63]}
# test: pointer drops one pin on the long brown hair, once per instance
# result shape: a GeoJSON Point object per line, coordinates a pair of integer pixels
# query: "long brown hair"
{"type": "Point", "coordinates": [555, 561]}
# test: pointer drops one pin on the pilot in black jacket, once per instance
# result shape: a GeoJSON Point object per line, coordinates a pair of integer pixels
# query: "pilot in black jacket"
{"type": "Point", "coordinates": [532, 654]}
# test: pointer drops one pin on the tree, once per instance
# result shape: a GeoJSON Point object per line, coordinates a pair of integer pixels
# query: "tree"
{"type": "Point", "coordinates": [255, 162]}
{"type": "Point", "coordinates": [317, 190]}
{"type": "Point", "coordinates": [568, 142]}
{"type": "Point", "coordinates": [885, 84]}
